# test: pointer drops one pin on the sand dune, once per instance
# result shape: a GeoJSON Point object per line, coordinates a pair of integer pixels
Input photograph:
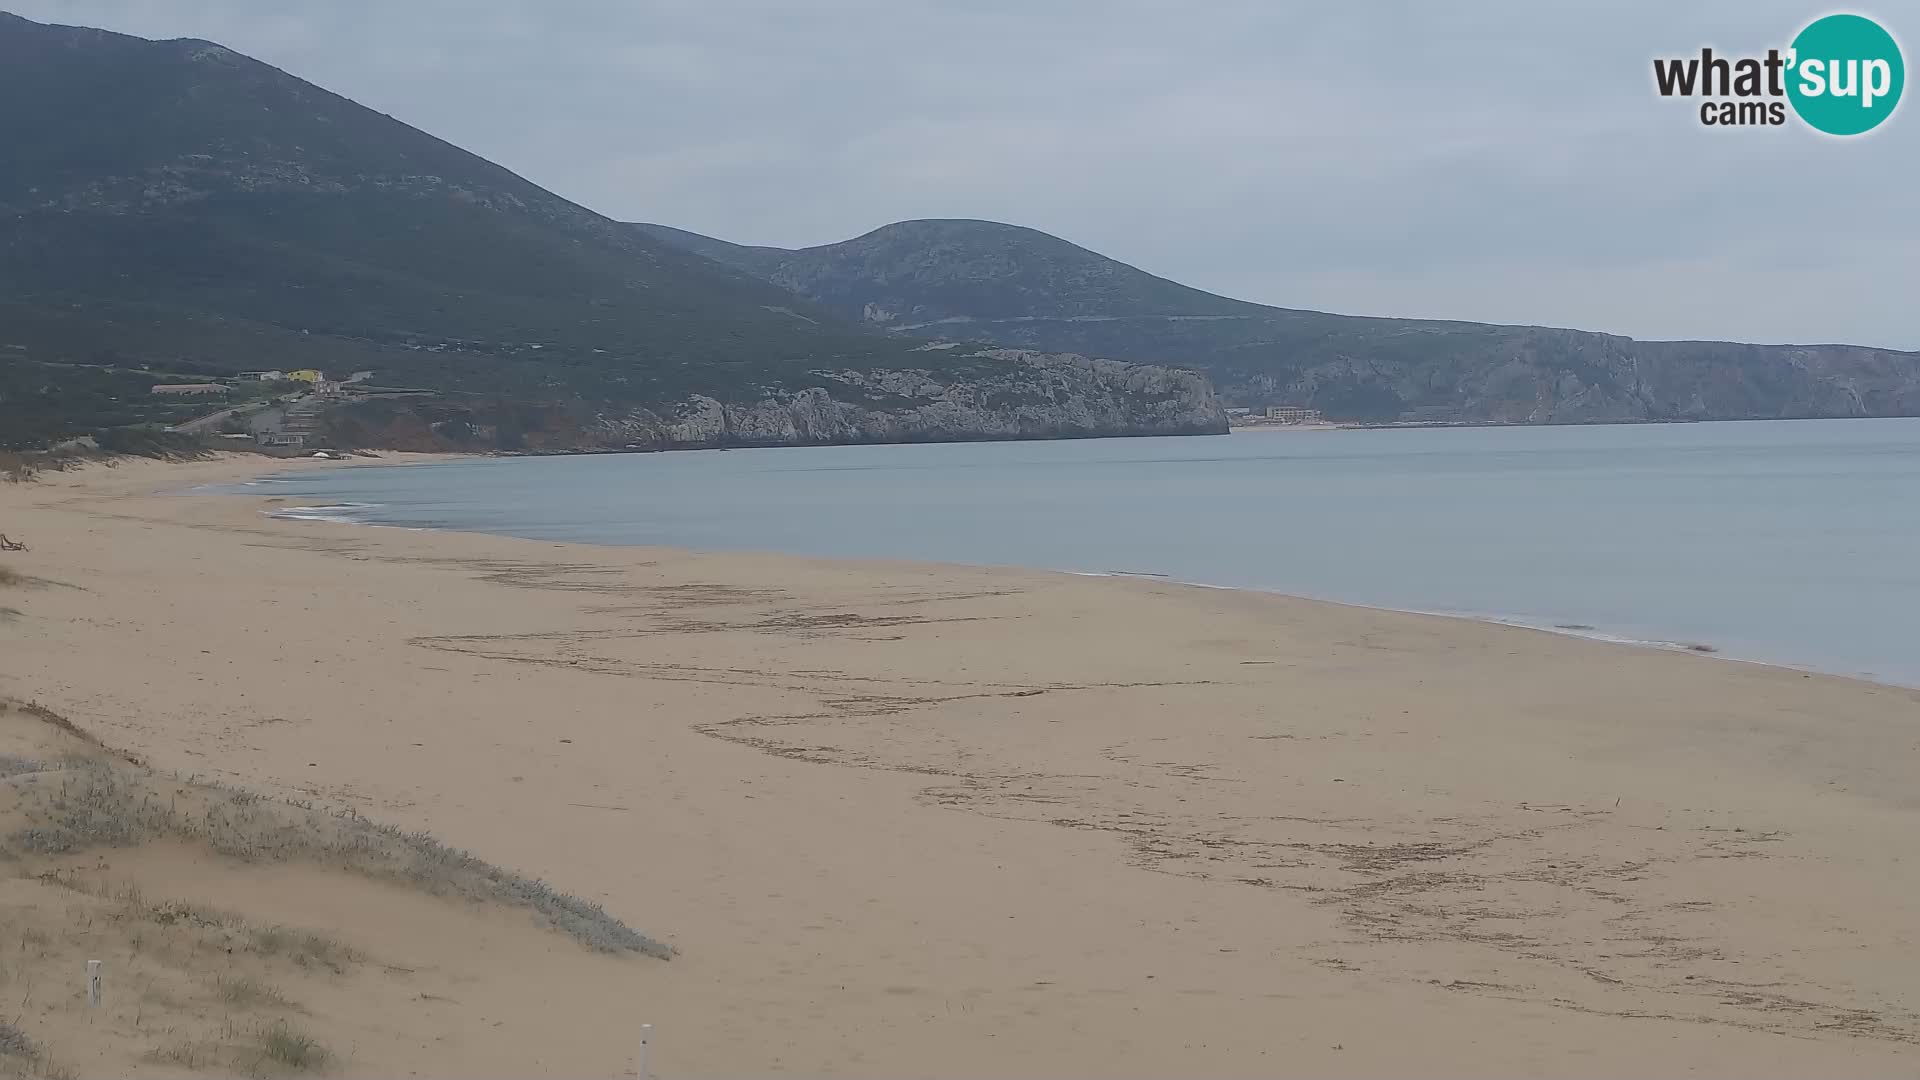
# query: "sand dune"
{"type": "Point", "coordinates": [238, 935]}
{"type": "Point", "coordinates": [928, 820]}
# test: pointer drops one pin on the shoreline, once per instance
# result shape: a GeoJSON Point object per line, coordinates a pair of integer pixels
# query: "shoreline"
{"type": "Point", "coordinates": [327, 514]}
{"type": "Point", "coordinates": [894, 814]}
{"type": "Point", "coordinates": [332, 514]}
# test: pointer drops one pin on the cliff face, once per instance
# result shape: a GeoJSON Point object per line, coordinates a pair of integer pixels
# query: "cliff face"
{"type": "Point", "coordinates": [1034, 396]}
{"type": "Point", "coordinates": [1004, 394]}
{"type": "Point", "coordinates": [984, 281]}
{"type": "Point", "coordinates": [1474, 373]}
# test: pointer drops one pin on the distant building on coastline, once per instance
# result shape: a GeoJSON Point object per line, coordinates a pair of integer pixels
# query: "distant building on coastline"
{"type": "Point", "coordinates": [264, 376]}
{"type": "Point", "coordinates": [1293, 414]}
{"type": "Point", "coordinates": [306, 375]}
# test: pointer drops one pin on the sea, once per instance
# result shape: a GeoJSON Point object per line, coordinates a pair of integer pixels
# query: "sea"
{"type": "Point", "coordinates": [1784, 542]}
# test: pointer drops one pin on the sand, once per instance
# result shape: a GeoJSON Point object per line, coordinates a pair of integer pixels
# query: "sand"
{"type": "Point", "coordinates": [921, 820]}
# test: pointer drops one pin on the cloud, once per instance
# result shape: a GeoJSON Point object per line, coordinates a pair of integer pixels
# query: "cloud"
{"type": "Point", "coordinates": [1506, 161]}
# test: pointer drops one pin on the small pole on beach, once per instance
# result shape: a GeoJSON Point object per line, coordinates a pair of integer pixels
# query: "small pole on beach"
{"type": "Point", "coordinates": [93, 984]}
{"type": "Point", "coordinates": [646, 1046]}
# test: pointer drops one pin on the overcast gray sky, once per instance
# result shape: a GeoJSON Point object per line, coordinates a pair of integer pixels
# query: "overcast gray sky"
{"type": "Point", "coordinates": [1504, 161]}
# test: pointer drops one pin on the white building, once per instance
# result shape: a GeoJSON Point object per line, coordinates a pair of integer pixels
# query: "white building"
{"type": "Point", "coordinates": [1293, 414]}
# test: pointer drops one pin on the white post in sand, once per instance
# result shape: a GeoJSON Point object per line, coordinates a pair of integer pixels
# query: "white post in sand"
{"type": "Point", "coordinates": [646, 1046]}
{"type": "Point", "coordinates": [93, 984]}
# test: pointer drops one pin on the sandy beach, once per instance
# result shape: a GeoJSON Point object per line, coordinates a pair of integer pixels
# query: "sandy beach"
{"type": "Point", "coordinates": [924, 820]}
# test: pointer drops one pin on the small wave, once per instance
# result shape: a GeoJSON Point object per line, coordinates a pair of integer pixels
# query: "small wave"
{"type": "Point", "coordinates": [1579, 630]}
{"type": "Point", "coordinates": [233, 487]}
{"type": "Point", "coordinates": [1591, 633]}
{"type": "Point", "coordinates": [343, 513]}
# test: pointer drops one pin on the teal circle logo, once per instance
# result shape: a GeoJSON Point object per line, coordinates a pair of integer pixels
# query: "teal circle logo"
{"type": "Point", "coordinates": [1845, 74]}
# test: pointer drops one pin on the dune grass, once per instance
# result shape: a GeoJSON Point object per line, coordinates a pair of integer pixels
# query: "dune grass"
{"type": "Point", "coordinates": [190, 1054]}
{"type": "Point", "coordinates": [304, 947]}
{"type": "Point", "coordinates": [271, 1049]}
{"type": "Point", "coordinates": [19, 468]}
{"type": "Point", "coordinates": [14, 1043]}
{"type": "Point", "coordinates": [95, 801]}
{"type": "Point", "coordinates": [246, 992]}
{"type": "Point", "coordinates": [293, 1048]}
{"type": "Point", "coordinates": [21, 1056]}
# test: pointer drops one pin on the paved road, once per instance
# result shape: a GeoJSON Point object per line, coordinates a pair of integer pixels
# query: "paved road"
{"type": "Point", "coordinates": [212, 421]}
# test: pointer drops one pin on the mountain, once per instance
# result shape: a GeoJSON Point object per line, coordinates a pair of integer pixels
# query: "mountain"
{"type": "Point", "coordinates": [1023, 288]}
{"type": "Point", "coordinates": [174, 205]}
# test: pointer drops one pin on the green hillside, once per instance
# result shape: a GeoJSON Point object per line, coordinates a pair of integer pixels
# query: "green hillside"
{"type": "Point", "coordinates": [170, 202]}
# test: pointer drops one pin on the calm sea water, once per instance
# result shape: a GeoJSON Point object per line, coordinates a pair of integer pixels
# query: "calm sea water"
{"type": "Point", "coordinates": [1793, 542]}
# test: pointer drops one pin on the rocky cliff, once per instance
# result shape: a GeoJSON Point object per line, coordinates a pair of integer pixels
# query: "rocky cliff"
{"type": "Point", "coordinates": [1003, 394]}
{"type": "Point", "coordinates": [1033, 396]}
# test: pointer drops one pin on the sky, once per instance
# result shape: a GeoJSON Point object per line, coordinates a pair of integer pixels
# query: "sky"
{"type": "Point", "coordinates": [1501, 161]}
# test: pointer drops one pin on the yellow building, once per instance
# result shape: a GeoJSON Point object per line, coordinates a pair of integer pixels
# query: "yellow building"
{"type": "Point", "coordinates": [307, 375]}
